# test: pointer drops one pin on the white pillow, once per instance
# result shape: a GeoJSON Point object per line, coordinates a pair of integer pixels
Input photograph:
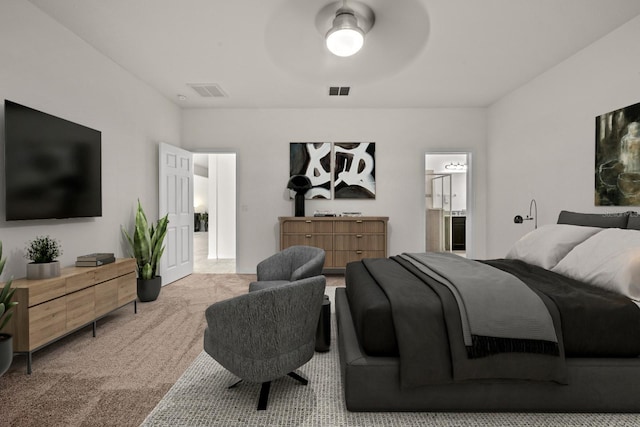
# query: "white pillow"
{"type": "Point", "coordinates": [548, 244]}
{"type": "Point", "coordinates": [609, 259]}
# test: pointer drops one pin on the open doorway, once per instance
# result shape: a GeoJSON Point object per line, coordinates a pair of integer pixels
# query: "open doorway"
{"type": "Point", "coordinates": [447, 214]}
{"type": "Point", "coordinates": [214, 202]}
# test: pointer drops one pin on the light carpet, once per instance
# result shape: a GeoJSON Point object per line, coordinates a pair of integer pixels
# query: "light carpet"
{"type": "Point", "coordinates": [118, 377]}
{"type": "Point", "coordinates": [201, 398]}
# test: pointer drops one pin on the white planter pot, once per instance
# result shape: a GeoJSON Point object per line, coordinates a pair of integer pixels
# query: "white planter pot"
{"type": "Point", "coordinates": [44, 270]}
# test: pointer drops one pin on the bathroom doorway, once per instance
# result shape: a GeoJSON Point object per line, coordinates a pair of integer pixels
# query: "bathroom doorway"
{"type": "Point", "coordinates": [447, 212]}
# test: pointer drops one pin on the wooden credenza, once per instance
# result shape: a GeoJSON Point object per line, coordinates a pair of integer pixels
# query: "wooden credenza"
{"type": "Point", "coordinates": [49, 309]}
{"type": "Point", "coordinates": [344, 239]}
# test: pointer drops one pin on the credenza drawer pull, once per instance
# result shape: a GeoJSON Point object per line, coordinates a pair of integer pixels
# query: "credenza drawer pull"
{"type": "Point", "coordinates": [358, 221]}
{"type": "Point", "coordinates": [308, 221]}
{"type": "Point", "coordinates": [308, 236]}
{"type": "Point", "coordinates": [359, 252]}
{"type": "Point", "coordinates": [359, 236]}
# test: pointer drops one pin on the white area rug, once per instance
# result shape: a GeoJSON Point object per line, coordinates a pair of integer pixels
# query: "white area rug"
{"type": "Point", "coordinates": [201, 398]}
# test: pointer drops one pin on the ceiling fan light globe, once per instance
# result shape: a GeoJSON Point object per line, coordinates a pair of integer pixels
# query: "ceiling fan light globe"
{"type": "Point", "coordinates": [345, 41]}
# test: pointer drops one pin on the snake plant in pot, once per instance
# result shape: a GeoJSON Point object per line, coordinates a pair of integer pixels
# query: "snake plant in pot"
{"type": "Point", "coordinates": [147, 245]}
{"type": "Point", "coordinates": [6, 307]}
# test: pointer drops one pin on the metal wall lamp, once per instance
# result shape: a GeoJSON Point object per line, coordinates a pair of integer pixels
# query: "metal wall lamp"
{"type": "Point", "coordinates": [533, 214]}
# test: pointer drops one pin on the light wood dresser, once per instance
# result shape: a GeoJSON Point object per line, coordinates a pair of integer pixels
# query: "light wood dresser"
{"type": "Point", "coordinates": [50, 309]}
{"type": "Point", "coordinates": [344, 239]}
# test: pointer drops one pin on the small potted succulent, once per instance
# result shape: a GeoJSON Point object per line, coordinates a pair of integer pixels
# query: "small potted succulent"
{"type": "Point", "coordinates": [43, 251]}
{"type": "Point", "coordinates": [6, 307]}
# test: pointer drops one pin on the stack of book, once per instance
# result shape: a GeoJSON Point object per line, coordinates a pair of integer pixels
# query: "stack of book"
{"type": "Point", "coordinates": [94, 260]}
{"type": "Point", "coordinates": [324, 213]}
{"type": "Point", "coordinates": [351, 214]}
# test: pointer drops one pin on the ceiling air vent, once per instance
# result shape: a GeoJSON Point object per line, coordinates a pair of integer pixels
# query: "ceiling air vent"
{"type": "Point", "coordinates": [208, 90]}
{"type": "Point", "coordinates": [339, 90]}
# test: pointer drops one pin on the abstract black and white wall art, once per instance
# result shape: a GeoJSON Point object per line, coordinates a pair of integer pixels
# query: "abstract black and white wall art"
{"type": "Point", "coordinates": [617, 168]}
{"type": "Point", "coordinates": [312, 159]}
{"type": "Point", "coordinates": [341, 170]}
{"type": "Point", "coordinates": [354, 170]}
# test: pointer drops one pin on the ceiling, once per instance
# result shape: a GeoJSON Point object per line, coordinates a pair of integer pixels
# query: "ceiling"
{"type": "Point", "coordinates": [270, 53]}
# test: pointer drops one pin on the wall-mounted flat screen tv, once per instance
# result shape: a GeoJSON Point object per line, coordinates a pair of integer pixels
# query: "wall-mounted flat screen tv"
{"type": "Point", "coordinates": [52, 166]}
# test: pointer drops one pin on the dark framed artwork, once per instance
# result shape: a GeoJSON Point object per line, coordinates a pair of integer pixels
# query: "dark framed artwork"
{"type": "Point", "coordinates": [354, 170]}
{"type": "Point", "coordinates": [617, 169]}
{"type": "Point", "coordinates": [312, 159]}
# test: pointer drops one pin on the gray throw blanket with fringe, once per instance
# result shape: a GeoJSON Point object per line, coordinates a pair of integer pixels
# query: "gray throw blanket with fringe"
{"type": "Point", "coordinates": [498, 312]}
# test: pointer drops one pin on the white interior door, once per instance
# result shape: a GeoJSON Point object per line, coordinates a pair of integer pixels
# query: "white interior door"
{"type": "Point", "coordinates": [176, 199]}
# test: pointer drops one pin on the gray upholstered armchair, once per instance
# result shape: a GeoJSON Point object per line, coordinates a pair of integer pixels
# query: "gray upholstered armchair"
{"type": "Point", "coordinates": [292, 263]}
{"type": "Point", "coordinates": [264, 335]}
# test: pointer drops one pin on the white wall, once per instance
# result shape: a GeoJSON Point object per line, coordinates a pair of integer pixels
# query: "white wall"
{"type": "Point", "coordinates": [200, 193]}
{"type": "Point", "coordinates": [541, 137]}
{"type": "Point", "coordinates": [537, 142]}
{"type": "Point", "coordinates": [46, 67]}
{"type": "Point", "coordinates": [222, 206]}
{"type": "Point", "coordinates": [459, 190]}
{"type": "Point", "coordinates": [261, 140]}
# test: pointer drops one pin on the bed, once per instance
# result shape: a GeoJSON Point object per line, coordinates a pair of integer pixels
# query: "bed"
{"type": "Point", "coordinates": [406, 344]}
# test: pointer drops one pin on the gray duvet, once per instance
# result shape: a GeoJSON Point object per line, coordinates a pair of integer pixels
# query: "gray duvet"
{"type": "Point", "coordinates": [429, 333]}
{"type": "Point", "coordinates": [498, 312]}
